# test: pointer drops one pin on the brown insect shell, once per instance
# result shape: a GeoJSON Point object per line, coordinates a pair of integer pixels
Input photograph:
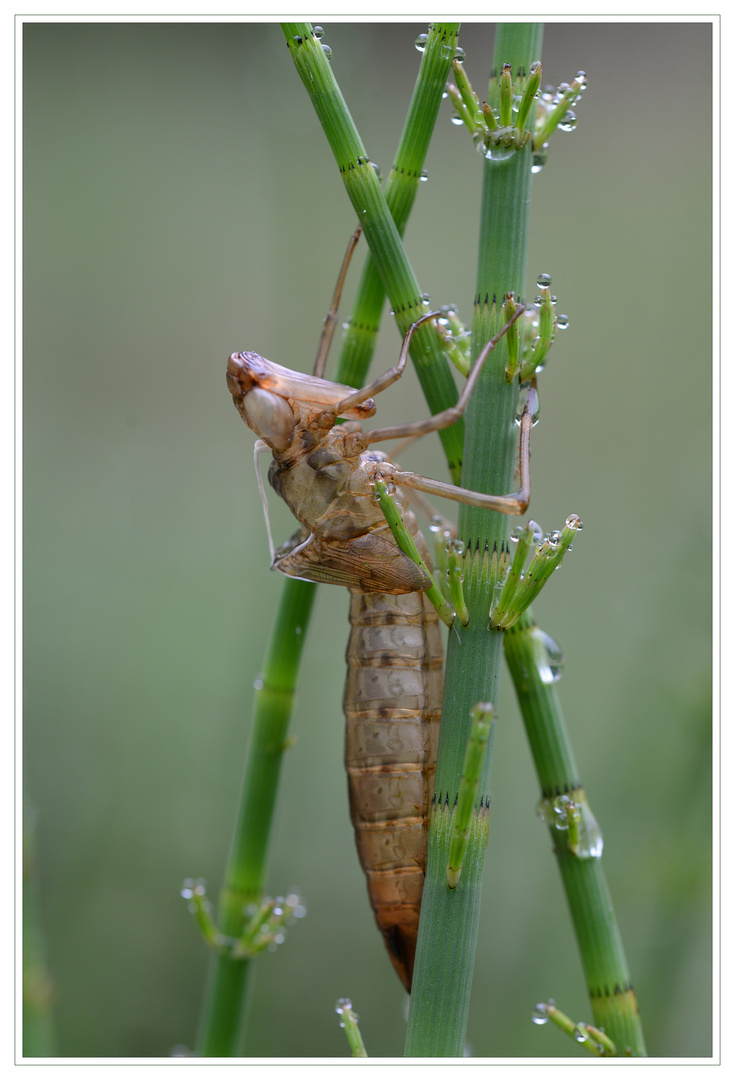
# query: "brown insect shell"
{"type": "Point", "coordinates": [329, 488]}
{"type": "Point", "coordinates": [307, 395]}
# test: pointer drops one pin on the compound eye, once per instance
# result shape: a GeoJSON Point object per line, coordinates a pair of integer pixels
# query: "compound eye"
{"type": "Point", "coordinates": [270, 417]}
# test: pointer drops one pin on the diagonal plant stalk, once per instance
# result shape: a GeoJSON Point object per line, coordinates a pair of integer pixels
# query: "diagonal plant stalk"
{"type": "Point", "coordinates": [530, 656]}
{"type": "Point", "coordinates": [221, 1021]}
{"type": "Point", "coordinates": [400, 191]}
{"type": "Point", "coordinates": [450, 917]}
{"type": "Point", "coordinates": [381, 232]}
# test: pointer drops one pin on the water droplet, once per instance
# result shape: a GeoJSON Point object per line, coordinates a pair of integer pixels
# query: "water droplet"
{"type": "Point", "coordinates": [534, 67]}
{"type": "Point", "coordinates": [539, 159]}
{"type": "Point", "coordinates": [590, 843]}
{"type": "Point", "coordinates": [420, 42]}
{"type": "Point", "coordinates": [574, 522]}
{"type": "Point", "coordinates": [562, 322]}
{"type": "Point", "coordinates": [457, 120]}
{"type": "Point", "coordinates": [568, 122]}
{"type": "Point", "coordinates": [561, 807]}
{"type": "Point", "coordinates": [495, 152]}
{"type": "Point", "coordinates": [376, 167]}
{"type": "Point", "coordinates": [318, 31]}
{"type": "Point", "coordinates": [258, 683]}
{"type": "Point", "coordinates": [436, 524]}
{"type": "Point", "coordinates": [193, 887]}
{"type": "Point", "coordinates": [543, 281]}
{"type": "Point", "coordinates": [423, 176]}
{"type": "Point", "coordinates": [580, 1033]}
{"type": "Point", "coordinates": [520, 407]}
{"type": "Point", "coordinates": [425, 299]}
{"type": "Point", "coordinates": [297, 39]}
{"type": "Point", "coordinates": [342, 1004]}
{"type": "Point", "coordinates": [540, 1014]}
{"type": "Point", "coordinates": [459, 55]}
{"type": "Point", "coordinates": [549, 657]}
{"type": "Point", "coordinates": [327, 51]}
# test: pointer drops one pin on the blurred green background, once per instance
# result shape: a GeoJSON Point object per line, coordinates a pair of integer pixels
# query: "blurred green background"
{"type": "Point", "coordinates": [180, 202]}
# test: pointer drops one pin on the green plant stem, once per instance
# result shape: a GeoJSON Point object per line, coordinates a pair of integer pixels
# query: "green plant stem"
{"type": "Point", "coordinates": [400, 189]}
{"type": "Point", "coordinates": [366, 195]}
{"type": "Point", "coordinates": [450, 918]}
{"type": "Point", "coordinates": [611, 995]}
{"type": "Point", "coordinates": [222, 1012]}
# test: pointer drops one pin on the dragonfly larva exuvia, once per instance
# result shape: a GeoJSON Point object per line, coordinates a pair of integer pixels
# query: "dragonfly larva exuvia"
{"type": "Point", "coordinates": [326, 473]}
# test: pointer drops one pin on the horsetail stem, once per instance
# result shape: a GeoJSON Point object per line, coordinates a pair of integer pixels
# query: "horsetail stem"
{"type": "Point", "coordinates": [450, 917]}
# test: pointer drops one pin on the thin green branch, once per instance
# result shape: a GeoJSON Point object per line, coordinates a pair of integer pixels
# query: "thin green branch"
{"type": "Point", "coordinates": [352, 1032]}
{"type": "Point", "coordinates": [400, 188]}
{"type": "Point", "coordinates": [222, 1013]}
{"type": "Point", "coordinates": [533, 660]}
{"type": "Point", "coordinates": [381, 232]}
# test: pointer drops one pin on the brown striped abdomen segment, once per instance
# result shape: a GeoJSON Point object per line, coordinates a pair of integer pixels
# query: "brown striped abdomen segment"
{"type": "Point", "coordinates": [392, 705]}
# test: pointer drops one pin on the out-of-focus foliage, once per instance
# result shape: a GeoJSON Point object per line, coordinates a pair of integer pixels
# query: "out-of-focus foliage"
{"type": "Point", "coordinates": [180, 202]}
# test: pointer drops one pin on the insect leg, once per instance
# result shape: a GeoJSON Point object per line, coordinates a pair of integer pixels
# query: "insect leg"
{"type": "Point", "coordinates": [330, 321]}
{"type": "Point", "coordinates": [516, 503]}
{"type": "Point", "coordinates": [447, 416]}
{"type": "Point", "coordinates": [388, 377]}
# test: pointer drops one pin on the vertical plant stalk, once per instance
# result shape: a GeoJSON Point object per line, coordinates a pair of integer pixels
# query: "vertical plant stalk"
{"type": "Point", "coordinates": [611, 994]}
{"type": "Point", "coordinates": [450, 917]}
{"type": "Point", "coordinates": [222, 1013]}
{"type": "Point", "coordinates": [221, 1022]}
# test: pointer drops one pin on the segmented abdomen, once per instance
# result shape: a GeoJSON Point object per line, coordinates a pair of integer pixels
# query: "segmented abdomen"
{"type": "Point", "coordinates": [392, 705]}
